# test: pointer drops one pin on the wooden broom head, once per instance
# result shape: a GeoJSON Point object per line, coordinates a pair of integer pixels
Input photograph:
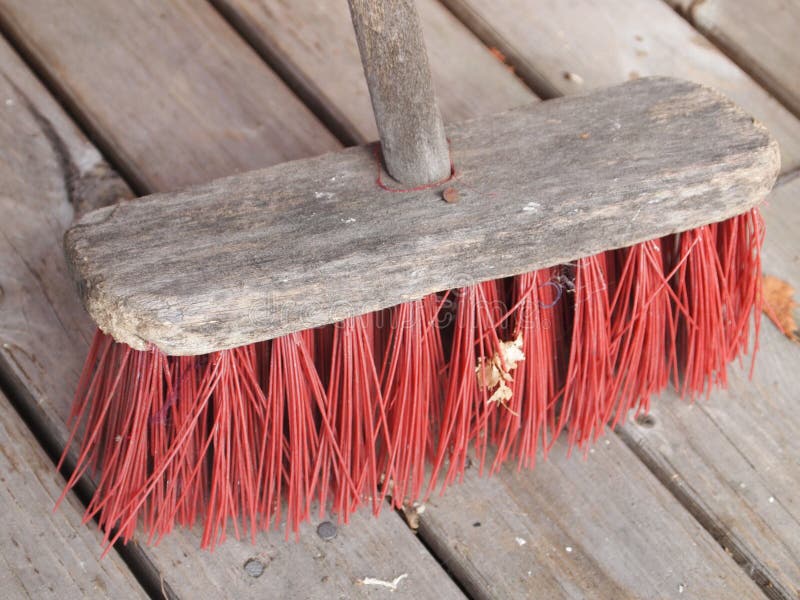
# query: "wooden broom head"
{"type": "Point", "coordinates": [309, 242]}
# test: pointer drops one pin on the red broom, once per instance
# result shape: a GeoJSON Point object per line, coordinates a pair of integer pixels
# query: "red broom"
{"type": "Point", "coordinates": [392, 403]}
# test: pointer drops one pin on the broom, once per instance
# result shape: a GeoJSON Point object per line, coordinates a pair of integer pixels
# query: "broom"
{"type": "Point", "coordinates": [278, 338]}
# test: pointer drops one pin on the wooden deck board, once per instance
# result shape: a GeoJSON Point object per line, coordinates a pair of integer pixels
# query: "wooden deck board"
{"type": "Point", "coordinates": [575, 527]}
{"type": "Point", "coordinates": [628, 535]}
{"type": "Point", "coordinates": [158, 82]}
{"type": "Point", "coordinates": [313, 42]}
{"type": "Point", "coordinates": [45, 554]}
{"type": "Point", "coordinates": [733, 460]}
{"type": "Point", "coordinates": [44, 336]}
{"type": "Point", "coordinates": [570, 47]}
{"type": "Point", "coordinates": [481, 558]}
{"type": "Point", "coordinates": [760, 36]}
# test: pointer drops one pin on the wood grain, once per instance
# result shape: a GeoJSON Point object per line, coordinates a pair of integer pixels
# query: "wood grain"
{"type": "Point", "coordinates": [395, 63]}
{"type": "Point", "coordinates": [760, 36]}
{"type": "Point", "coordinates": [595, 527]}
{"type": "Point", "coordinates": [156, 81]}
{"type": "Point", "coordinates": [571, 47]}
{"type": "Point", "coordinates": [45, 554]}
{"type": "Point", "coordinates": [311, 43]}
{"type": "Point", "coordinates": [733, 460]}
{"type": "Point", "coordinates": [217, 266]}
{"type": "Point", "coordinates": [46, 169]}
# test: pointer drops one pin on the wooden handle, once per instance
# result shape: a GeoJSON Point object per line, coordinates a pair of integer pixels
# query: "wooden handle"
{"type": "Point", "coordinates": [396, 65]}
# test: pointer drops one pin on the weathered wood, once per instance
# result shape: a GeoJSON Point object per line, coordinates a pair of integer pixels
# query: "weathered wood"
{"type": "Point", "coordinates": [760, 36]}
{"type": "Point", "coordinates": [311, 43]}
{"type": "Point", "coordinates": [46, 167]}
{"type": "Point", "coordinates": [217, 266]}
{"type": "Point", "coordinates": [195, 86]}
{"type": "Point", "coordinates": [311, 568]}
{"type": "Point", "coordinates": [45, 554]}
{"type": "Point", "coordinates": [600, 527]}
{"type": "Point", "coordinates": [733, 460]}
{"type": "Point", "coordinates": [395, 63]}
{"type": "Point", "coordinates": [568, 47]}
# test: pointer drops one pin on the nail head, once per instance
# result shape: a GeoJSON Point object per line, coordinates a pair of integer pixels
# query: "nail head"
{"type": "Point", "coordinates": [254, 567]}
{"type": "Point", "coordinates": [326, 530]}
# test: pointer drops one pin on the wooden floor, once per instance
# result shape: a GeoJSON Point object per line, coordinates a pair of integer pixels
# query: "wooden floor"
{"type": "Point", "coordinates": [105, 100]}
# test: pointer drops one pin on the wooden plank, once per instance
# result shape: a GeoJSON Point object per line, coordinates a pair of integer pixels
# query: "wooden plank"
{"type": "Point", "coordinates": [193, 86]}
{"type": "Point", "coordinates": [311, 43]}
{"type": "Point", "coordinates": [215, 267]}
{"type": "Point", "coordinates": [45, 554]}
{"type": "Point", "coordinates": [598, 527]}
{"type": "Point", "coordinates": [46, 168]}
{"type": "Point", "coordinates": [760, 36]}
{"type": "Point", "coordinates": [733, 461]}
{"type": "Point", "coordinates": [310, 568]}
{"type": "Point", "coordinates": [570, 47]}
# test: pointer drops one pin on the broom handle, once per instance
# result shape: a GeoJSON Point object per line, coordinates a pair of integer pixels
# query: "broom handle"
{"type": "Point", "coordinates": [396, 65]}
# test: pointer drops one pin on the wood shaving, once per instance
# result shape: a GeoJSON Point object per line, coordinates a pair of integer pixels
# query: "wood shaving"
{"type": "Point", "coordinates": [496, 373]}
{"type": "Point", "coordinates": [392, 585]}
{"type": "Point", "coordinates": [779, 306]}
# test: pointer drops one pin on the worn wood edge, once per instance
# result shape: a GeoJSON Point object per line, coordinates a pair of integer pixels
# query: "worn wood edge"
{"type": "Point", "coordinates": [733, 176]}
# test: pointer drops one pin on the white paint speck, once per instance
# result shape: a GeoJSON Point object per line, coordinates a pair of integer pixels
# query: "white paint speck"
{"type": "Point", "coordinates": [568, 549]}
{"type": "Point", "coordinates": [350, 220]}
{"type": "Point", "coordinates": [320, 195]}
{"type": "Point", "coordinates": [771, 499]}
{"type": "Point", "coordinates": [743, 485]}
{"type": "Point", "coordinates": [681, 588]}
{"type": "Point", "coordinates": [9, 102]}
{"type": "Point", "coordinates": [532, 207]}
{"type": "Point", "coordinates": [520, 541]}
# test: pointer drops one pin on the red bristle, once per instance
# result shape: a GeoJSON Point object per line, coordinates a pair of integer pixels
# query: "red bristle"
{"type": "Point", "coordinates": [641, 323]}
{"type": "Point", "coordinates": [739, 242]}
{"type": "Point", "coordinates": [250, 437]}
{"type": "Point", "coordinates": [411, 381]}
{"type": "Point", "coordinates": [584, 397]}
{"type": "Point", "coordinates": [357, 412]}
{"type": "Point", "coordinates": [538, 299]}
{"type": "Point", "coordinates": [465, 416]}
{"type": "Point", "coordinates": [701, 293]}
